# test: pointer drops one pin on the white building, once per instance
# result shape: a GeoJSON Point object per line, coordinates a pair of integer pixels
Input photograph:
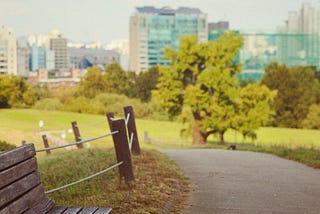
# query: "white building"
{"type": "Point", "coordinates": [8, 51]}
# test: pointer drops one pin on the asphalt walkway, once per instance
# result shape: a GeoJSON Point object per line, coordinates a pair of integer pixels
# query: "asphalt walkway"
{"type": "Point", "coordinates": [246, 182]}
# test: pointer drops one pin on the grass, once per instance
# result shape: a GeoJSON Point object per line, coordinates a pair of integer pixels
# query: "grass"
{"type": "Point", "coordinates": [157, 179]}
{"type": "Point", "coordinates": [308, 156]}
{"type": "Point", "coordinates": [22, 124]}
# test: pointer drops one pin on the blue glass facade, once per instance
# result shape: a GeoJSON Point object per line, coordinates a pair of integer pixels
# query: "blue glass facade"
{"type": "Point", "coordinates": [41, 57]}
{"type": "Point", "coordinates": [157, 29]}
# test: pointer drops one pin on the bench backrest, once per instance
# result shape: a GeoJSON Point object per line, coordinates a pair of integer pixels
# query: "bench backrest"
{"type": "Point", "coordinates": [20, 185]}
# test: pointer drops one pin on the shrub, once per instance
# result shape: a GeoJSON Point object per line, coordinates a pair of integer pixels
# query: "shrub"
{"type": "Point", "coordinates": [5, 146]}
{"type": "Point", "coordinates": [49, 104]}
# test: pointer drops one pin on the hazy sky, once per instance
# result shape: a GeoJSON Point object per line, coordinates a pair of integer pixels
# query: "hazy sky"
{"type": "Point", "coordinates": [107, 20]}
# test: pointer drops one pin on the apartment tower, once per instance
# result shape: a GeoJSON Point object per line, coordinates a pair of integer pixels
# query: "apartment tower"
{"type": "Point", "coordinates": [153, 29]}
{"type": "Point", "coordinates": [8, 51]}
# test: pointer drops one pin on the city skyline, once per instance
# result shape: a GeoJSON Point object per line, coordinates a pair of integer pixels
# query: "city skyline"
{"type": "Point", "coordinates": [106, 21]}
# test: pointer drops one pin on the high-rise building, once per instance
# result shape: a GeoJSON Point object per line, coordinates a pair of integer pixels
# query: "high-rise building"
{"type": "Point", "coordinates": [41, 57]}
{"type": "Point", "coordinates": [152, 29]}
{"type": "Point", "coordinates": [8, 51]}
{"type": "Point", "coordinates": [58, 43]}
{"type": "Point", "coordinates": [22, 57]}
{"type": "Point", "coordinates": [299, 43]}
{"type": "Point", "coordinates": [216, 29]}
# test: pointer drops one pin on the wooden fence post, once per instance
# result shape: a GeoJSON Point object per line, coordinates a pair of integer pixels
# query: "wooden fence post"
{"type": "Point", "coordinates": [131, 125]}
{"type": "Point", "coordinates": [76, 133]}
{"type": "Point", "coordinates": [110, 117]}
{"type": "Point", "coordinates": [46, 143]}
{"type": "Point", "coordinates": [122, 150]}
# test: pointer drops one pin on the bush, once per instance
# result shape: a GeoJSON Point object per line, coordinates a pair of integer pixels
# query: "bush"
{"type": "Point", "coordinates": [4, 146]}
{"type": "Point", "coordinates": [107, 102]}
{"type": "Point", "coordinates": [50, 104]}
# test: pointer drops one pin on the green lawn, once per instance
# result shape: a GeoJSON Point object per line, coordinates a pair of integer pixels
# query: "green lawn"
{"type": "Point", "coordinates": [22, 124]}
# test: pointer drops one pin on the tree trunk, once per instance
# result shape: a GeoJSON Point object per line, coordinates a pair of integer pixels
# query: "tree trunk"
{"type": "Point", "coordinates": [221, 135]}
{"type": "Point", "coordinates": [199, 137]}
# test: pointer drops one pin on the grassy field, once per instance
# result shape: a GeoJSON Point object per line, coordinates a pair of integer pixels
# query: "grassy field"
{"type": "Point", "coordinates": [156, 176]}
{"type": "Point", "coordinates": [18, 125]}
{"type": "Point", "coordinates": [157, 180]}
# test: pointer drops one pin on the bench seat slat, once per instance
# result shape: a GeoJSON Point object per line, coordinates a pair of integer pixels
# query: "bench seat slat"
{"type": "Point", "coordinates": [20, 187]}
{"type": "Point", "coordinates": [25, 202]}
{"type": "Point", "coordinates": [72, 210]}
{"type": "Point", "coordinates": [58, 210]}
{"type": "Point", "coordinates": [103, 211]}
{"type": "Point", "coordinates": [43, 207]}
{"type": "Point", "coordinates": [88, 210]}
{"type": "Point", "coordinates": [18, 171]}
{"type": "Point", "coordinates": [12, 157]}
{"type": "Point", "coordinates": [21, 190]}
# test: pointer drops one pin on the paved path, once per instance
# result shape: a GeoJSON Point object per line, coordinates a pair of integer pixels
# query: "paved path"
{"type": "Point", "coordinates": [247, 182]}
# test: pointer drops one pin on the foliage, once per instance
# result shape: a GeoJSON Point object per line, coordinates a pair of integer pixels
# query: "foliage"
{"type": "Point", "coordinates": [106, 102]}
{"type": "Point", "coordinates": [41, 92]}
{"type": "Point", "coordinates": [312, 120]}
{"type": "Point", "coordinates": [93, 83]}
{"type": "Point", "coordinates": [255, 109]}
{"type": "Point", "coordinates": [298, 88]}
{"type": "Point", "coordinates": [63, 94]}
{"type": "Point", "coordinates": [116, 79]}
{"type": "Point", "coordinates": [15, 92]}
{"type": "Point", "coordinates": [50, 104]}
{"type": "Point", "coordinates": [202, 76]}
{"type": "Point", "coordinates": [79, 104]}
{"type": "Point", "coordinates": [5, 146]}
{"type": "Point", "coordinates": [145, 82]}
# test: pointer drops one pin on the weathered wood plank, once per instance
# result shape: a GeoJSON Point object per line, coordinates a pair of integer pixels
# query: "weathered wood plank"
{"type": "Point", "coordinates": [17, 189]}
{"type": "Point", "coordinates": [18, 171]}
{"type": "Point", "coordinates": [16, 155]}
{"type": "Point", "coordinates": [131, 125]}
{"type": "Point", "coordinates": [43, 207]}
{"type": "Point", "coordinates": [23, 203]}
{"type": "Point", "coordinates": [72, 210]}
{"type": "Point", "coordinates": [103, 211]}
{"type": "Point", "coordinates": [58, 210]}
{"type": "Point", "coordinates": [88, 210]}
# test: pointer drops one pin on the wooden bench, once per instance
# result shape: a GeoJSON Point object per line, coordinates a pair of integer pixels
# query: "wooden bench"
{"type": "Point", "coordinates": [21, 190]}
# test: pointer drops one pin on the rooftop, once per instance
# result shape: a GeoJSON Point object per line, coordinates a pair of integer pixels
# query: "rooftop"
{"type": "Point", "coordinates": [168, 10]}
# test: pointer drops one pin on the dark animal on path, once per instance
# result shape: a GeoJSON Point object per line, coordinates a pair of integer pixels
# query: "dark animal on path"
{"type": "Point", "coordinates": [232, 147]}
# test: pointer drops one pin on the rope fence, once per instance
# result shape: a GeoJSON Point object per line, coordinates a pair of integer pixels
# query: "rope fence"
{"type": "Point", "coordinates": [120, 129]}
{"type": "Point", "coordinates": [84, 179]}
{"type": "Point", "coordinates": [77, 143]}
{"type": "Point", "coordinates": [92, 124]}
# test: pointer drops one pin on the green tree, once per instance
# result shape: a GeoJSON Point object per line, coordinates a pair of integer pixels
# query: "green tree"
{"type": "Point", "coordinates": [93, 83]}
{"type": "Point", "coordinates": [312, 120]}
{"type": "Point", "coordinates": [202, 76]}
{"type": "Point", "coordinates": [298, 88]}
{"type": "Point", "coordinates": [117, 79]}
{"type": "Point", "coordinates": [145, 82]}
{"type": "Point", "coordinates": [254, 109]}
{"type": "Point", "coordinates": [15, 92]}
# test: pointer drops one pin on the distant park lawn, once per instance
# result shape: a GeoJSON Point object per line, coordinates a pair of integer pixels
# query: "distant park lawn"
{"type": "Point", "coordinates": [22, 124]}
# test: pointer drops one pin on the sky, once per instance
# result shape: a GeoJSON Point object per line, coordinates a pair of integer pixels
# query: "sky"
{"type": "Point", "coordinates": [107, 20]}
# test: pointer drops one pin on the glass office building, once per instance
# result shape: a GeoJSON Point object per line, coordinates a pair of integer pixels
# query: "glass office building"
{"type": "Point", "coordinates": [152, 30]}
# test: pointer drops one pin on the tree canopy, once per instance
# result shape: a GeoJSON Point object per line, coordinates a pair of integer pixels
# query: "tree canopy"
{"type": "Point", "coordinates": [15, 92]}
{"type": "Point", "coordinates": [298, 88]}
{"type": "Point", "coordinates": [202, 77]}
